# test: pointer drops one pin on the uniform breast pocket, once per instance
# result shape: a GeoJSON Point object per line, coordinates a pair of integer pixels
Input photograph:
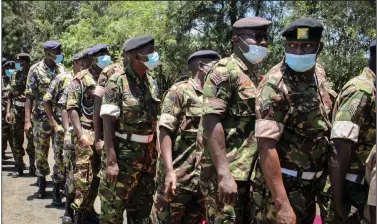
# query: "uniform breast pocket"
{"type": "Point", "coordinates": [132, 111]}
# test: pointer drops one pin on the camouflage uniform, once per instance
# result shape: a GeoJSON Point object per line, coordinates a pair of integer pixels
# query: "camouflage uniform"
{"type": "Point", "coordinates": [53, 94]}
{"type": "Point", "coordinates": [16, 95]}
{"type": "Point", "coordinates": [294, 111]}
{"type": "Point", "coordinates": [354, 119]}
{"type": "Point", "coordinates": [180, 113]}
{"type": "Point", "coordinates": [37, 84]}
{"type": "Point", "coordinates": [5, 129]}
{"type": "Point", "coordinates": [229, 91]}
{"type": "Point", "coordinates": [135, 104]}
{"type": "Point", "coordinates": [69, 155]}
{"type": "Point", "coordinates": [86, 181]}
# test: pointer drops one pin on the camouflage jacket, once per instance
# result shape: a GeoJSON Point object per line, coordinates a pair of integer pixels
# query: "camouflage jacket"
{"type": "Point", "coordinates": [55, 92]}
{"type": "Point", "coordinates": [229, 91]}
{"type": "Point", "coordinates": [354, 118]}
{"type": "Point", "coordinates": [17, 95]}
{"type": "Point", "coordinates": [81, 96]}
{"type": "Point", "coordinates": [370, 176]}
{"type": "Point", "coordinates": [37, 84]}
{"type": "Point", "coordinates": [5, 88]}
{"type": "Point", "coordinates": [180, 113]}
{"type": "Point", "coordinates": [104, 77]}
{"type": "Point", "coordinates": [132, 101]}
{"type": "Point", "coordinates": [294, 110]}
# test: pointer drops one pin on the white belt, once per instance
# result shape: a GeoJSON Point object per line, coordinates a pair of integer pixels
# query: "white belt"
{"type": "Point", "coordinates": [19, 103]}
{"type": "Point", "coordinates": [353, 178]}
{"type": "Point", "coordinates": [136, 138]}
{"type": "Point", "coordinates": [305, 175]}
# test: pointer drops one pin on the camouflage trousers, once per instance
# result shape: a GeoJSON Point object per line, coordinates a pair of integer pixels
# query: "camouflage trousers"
{"type": "Point", "coordinates": [86, 181]}
{"type": "Point", "coordinates": [18, 134]}
{"type": "Point", "coordinates": [186, 207]}
{"type": "Point", "coordinates": [135, 187]}
{"type": "Point", "coordinates": [217, 212]}
{"type": "Point", "coordinates": [356, 195]}
{"type": "Point", "coordinates": [57, 145]}
{"type": "Point", "coordinates": [69, 156]}
{"type": "Point", "coordinates": [302, 195]}
{"type": "Point", "coordinates": [42, 134]}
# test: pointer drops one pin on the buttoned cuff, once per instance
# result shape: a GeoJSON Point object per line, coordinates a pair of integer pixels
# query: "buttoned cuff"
{"type": "Point", "coordinates": [99, 91]}
{"type": "Point", "coordinates": [345, 130]}
{"type": "Point", "coordinates": [168, 121]}
{"type": "Point", "coordinates": [268, 129]}
{"type": "Point", "coordinates": [111, 110]}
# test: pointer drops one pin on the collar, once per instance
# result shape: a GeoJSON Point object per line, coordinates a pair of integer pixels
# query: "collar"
{"type": "Point", "coordinates": [195, 85]}
{"type": "Point", "coordinates": [130, 72]}
{"type": "Point", "coordinates": [239, 62]}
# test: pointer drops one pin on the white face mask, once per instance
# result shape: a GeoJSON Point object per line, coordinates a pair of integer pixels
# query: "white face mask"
{"type": "Point", "coordinates": [256, 53]}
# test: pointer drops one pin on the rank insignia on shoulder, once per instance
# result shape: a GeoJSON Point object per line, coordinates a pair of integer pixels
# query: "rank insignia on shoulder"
{"type": "Point", "coordinates": [218, 78]}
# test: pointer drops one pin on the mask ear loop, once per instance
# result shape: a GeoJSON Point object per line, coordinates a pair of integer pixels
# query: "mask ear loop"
{"type": "Point", "coordinates": [245, 44]}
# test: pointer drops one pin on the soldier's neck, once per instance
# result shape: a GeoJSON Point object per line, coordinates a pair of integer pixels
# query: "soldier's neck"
{"type": "Point", "coordinates": [50, 63]}
{"type": "Point", "coordinates": [199, 80]}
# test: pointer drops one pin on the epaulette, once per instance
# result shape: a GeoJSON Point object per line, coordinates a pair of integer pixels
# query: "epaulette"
{"type": "Point", "coordinates": [224, 61]}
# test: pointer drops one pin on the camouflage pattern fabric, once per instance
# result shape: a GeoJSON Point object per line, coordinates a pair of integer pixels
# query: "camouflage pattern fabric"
{"type": "Point", "coordinates": [229, 91]}
{"type": "Point", "coordinates": [294, 110]}
{"type": "Point", "coordinates": [186, 207]}
{"type": "Point", "coordinates": [37, 84]}
{"type": "Point", "coordinates": [354, 119]}
{"type": "Point", "coordinates": [16, 95]}
{"type": "Point", "coordinates": [134, 103]}
{"type": "Point", "coordinates": [180, 113]}
{"type": "Point", "coordinates": [53, 94]}
{"type": "Point", "coordinates": [80, 97]}
{"type": "Point", "coordinates": [5, 127]}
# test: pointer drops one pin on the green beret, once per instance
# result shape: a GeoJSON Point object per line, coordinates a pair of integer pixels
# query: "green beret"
{"type": "Point", "coordinates": [303, 29]}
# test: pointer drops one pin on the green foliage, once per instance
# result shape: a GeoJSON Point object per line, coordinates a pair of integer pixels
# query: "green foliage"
{"type": "Point", "coordinates": [182, 27]}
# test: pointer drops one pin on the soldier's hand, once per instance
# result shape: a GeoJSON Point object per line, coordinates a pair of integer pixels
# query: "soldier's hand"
{"type": "Point", "coordinates": [27, 128]}
{"type": "Point", "coordinates": [99, 145]}
{"type": "Point", "coordinates": [83, 142]}
{"type": "Point", "coordinates": [7, 118]}
{"type": "Point", "coordinates": [285, 214]}
{"type": "Point", "coordinates": [170, 185]}
{"type": "Point", "coordinates": [227, 190]}
{"type": "Point", "coordinates": [112, 172]}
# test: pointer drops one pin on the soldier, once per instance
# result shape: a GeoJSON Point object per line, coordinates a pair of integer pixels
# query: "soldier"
{"type": "Point", "coordinates": [370, 177]}
{"type": "Point", "coordinates": [129, 111]}
{"type": "Point", "coordinates": [80, 112]}
{"type": "Point", "coordinates": [38, 81]}
{"type": "Point", "coordinates": [81, 61]}
{"type": "Point", "coordinates": [178, 198]}
{"type": "Point", "coordinates": [16, 115]}
{"type": "Point", "coordinates": [353, 136]}
{"type": "Point", "coordinates": [50, 100]}
{"type": "Point", "coordinates": [293, 106]}
{"type": "Point", "coordinates": [228, 124]}
{"type": "Point", "coordinates": [7, 71]}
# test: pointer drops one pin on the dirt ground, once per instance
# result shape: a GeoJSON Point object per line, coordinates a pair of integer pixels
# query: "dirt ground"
{"type": "Point", "coordinates": [19, 204]}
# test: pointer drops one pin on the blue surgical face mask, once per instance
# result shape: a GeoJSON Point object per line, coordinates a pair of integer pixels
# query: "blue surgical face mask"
{"type": "Point", "coordinates": [104, 61]}
{"type": "Point", "coordinates": [9, 72]}
{"type": "Point", "coordinates": [301, 63]}
{"type": "Point", "coordinates": [18, 67]}
{"type": "Point", "coordinates": [255, 54]}
{"type": "Point", "coordinates": [153, 60]}
{"type": "Point", "coordinates": [59, 58]}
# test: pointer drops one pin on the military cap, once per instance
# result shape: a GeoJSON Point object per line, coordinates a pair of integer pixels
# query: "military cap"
{"type": "Point", "coordinates": [82, 54]}
{"type": "Point", "coordinates": [52, 44]}
{"type": "Point", "coordinates": [23, 56]}
{"type": "Point", "coordinates": [3, 60]}
{"type": "Point", "coordinates": [98, 48]}
{"type": "Point", "coordinates": [252, 23]}
{"type": "Point", "coordinates": [137, 42]}
{"type": "Point", "coordinates": [303, 29]}
{"type": "Point", "coordinates": [10, 63]}
{"type": "Point", "coordinates": [204, 54]}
